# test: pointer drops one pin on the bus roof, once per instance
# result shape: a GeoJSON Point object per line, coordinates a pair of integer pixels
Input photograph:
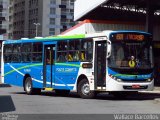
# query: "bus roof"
{"type": "Point", "coordinates": [50, 38]}
{"type": "Point", "coordinates": [131, 31]}
{"type": "Point", "coordinates": [106, 33]}
{"type": "Point", "coordinates": [65, 36]}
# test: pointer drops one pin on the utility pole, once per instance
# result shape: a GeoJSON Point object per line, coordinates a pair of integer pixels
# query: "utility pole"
{"type": "Point", "coordinates": [36, 24]}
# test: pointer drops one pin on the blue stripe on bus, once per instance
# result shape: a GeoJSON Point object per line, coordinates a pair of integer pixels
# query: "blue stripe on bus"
{"type": "Point", "coordinates": [128, 76]}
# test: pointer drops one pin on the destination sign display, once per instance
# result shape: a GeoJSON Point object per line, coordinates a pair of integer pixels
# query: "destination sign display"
{"type": "Point", "coordinates": [129, 36]}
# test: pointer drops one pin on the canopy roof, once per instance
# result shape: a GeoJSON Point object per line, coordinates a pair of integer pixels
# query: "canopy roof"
{"type": "Point", "coordinates": [128, 10]}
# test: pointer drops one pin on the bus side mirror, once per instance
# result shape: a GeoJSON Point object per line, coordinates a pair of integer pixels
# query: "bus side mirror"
{"type": "Point", "coordinates": [108, 48]}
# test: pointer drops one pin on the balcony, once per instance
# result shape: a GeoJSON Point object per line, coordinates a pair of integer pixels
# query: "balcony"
{"type": "Point", "coordinates": [53, 2]}
{"type": "Point", "coordinates": [3, 14]}
{"type": "Point", "coordinates": [2, 18]}
{"type": "Point", "coordinates": [3, 26]}
{"type": "Point", "coordinates": [64, 3]}
{"type": "Point", "coordinates": [2, 31]}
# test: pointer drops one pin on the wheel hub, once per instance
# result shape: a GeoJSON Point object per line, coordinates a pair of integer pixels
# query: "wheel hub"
{"type": "Point", "coordinates": [28, 86]}
{"type": "Point", "coordinates": [85, 89]}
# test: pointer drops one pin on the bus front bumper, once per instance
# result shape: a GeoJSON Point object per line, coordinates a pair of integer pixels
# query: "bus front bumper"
{"type": "Point", "coordinates": [113, 85]}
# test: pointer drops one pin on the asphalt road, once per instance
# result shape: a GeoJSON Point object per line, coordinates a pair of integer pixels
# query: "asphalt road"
{"type": "Point", "coordinates": [14, 101]}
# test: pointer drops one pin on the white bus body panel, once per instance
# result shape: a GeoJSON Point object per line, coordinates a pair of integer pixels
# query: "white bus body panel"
{"type": "Point", "coordinates": [113, 85]}
{"type": "Point", "coordinates": [2, 65]}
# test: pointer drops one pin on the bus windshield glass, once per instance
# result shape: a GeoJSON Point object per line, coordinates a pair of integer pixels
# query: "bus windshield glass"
{"type": "Point", "coordinates": [131, 52]}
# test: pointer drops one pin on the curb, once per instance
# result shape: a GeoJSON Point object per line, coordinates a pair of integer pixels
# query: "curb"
{"type": "Point", "coordinates": [4, 85]}
{"type": "Point", "coordinates": [150, 91]}
{"type": "Point", "coordinates": [155, 90]}
{"type": "Point", "coordinates": [157, 99]}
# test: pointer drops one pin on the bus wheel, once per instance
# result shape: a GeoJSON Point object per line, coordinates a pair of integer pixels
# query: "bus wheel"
{"type": "Point", "coordinates": [84, 90]}
{"type": "Point", "coordinates": [29, 89]}
{"type": "Point", "coordinates": [62, 92]}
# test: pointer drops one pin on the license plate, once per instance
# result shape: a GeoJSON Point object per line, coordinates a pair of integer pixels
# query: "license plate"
{"type": "Point", "coordinates": [135, 86]}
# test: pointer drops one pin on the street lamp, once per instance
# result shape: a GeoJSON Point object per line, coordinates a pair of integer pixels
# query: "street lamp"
{"type": "Point", "coordinates": [36, 24]}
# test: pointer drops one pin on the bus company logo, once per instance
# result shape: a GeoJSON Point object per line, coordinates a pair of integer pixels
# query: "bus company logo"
{"type": "Point", "coordinates": [70, 69]}
{"type": "Point", "coordinates": [27, 70]}
{"type": "Point", "coordinates": [66, 69]}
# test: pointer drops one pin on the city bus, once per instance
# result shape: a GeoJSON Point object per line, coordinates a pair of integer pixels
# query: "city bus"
{"type": "Point", "coordinates": [116, 62]}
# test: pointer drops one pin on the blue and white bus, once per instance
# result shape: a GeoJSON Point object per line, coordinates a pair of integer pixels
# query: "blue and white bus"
{"type": "Point", "coordinates": [112, 61]}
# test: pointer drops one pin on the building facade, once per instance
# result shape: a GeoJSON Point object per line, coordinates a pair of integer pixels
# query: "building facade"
{"type": "Point", "coordinates": [31, 18]}
{"type": "Point", "coordinates": [3, 18]}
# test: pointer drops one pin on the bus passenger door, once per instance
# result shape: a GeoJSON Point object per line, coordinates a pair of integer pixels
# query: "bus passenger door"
{"type": "Point", "coordinates": [49, 65]}
{"type": "Point", "coordinates": [100, 63]}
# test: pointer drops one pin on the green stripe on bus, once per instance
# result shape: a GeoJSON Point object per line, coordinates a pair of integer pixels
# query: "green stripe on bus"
{"type": "Point", "coordinates": [67, 36]}
{"type": "Point", "coordinates": [63, 37]}
{"type": "Point", "coordinates": [23, 68]}
{"type": "Point", "coordinates": [64, 64]}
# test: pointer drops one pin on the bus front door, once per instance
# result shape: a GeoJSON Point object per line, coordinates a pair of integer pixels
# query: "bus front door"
{"type": "Point", "coordinates": [100, 64]}
{"type": "Point", "coordinates": [48, 65]}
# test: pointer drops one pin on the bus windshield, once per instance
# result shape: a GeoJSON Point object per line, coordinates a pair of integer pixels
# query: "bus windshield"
{"type": "Point", "coordinates": [131, 55]}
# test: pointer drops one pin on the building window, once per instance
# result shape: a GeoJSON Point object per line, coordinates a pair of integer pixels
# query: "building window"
{"type": "Point", "coordinates": [51, 31]}
{"type": "Point", "coordinates": [53, 1]}
{"type": "Point", "coordinates": [52, 21]}
{"type": "Point", "coordinates": [52, 11]}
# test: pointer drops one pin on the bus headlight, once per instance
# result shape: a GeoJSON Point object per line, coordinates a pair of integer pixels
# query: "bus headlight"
{"type": "Point", "coordinates": [149, 79]}
{"type": "Point", "coordinates": [115, 78]}
{"type": "Point", "coordinates": [119, 80]}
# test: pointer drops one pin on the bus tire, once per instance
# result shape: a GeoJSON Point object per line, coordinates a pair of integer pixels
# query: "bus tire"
{"type": "Point", "coordinates": [62, 92]}
{"type": "Point", "coordinates": [29, 87]}
{"type": "Point", "coordinates": [84, 90]}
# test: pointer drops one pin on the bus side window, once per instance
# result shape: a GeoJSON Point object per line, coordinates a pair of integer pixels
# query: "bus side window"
{"type": "Point", "coordinates": [26, 52]}
{"type": "Point", "coordinates": [37, 52]}
{"type": "Point", "coordinates": [86, 49]}
{"type": "Point", "coordinates": [16, 56]}
{"type": "Point", "coordinates": [82, 56]}
{"type": "Point", "coordinates": [62, 51]}
{"type": "Point", "coordinates": [62, 57]}
{"type": "Point", "coordinates": [76, 56]}
{"type": "Point", "coordinates": [70, 57]}
{"type": "Point", "coordinates": [89, 50]}
{"type": "Point", "coordinates": [74, 50]}
{"type": "Point", "coordinates": [7, 53]}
